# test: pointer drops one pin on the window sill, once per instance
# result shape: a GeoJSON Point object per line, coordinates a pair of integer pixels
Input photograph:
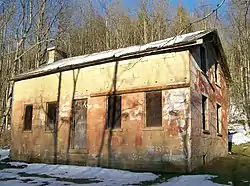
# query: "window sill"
{"type": "Point", "coordinates": [48, 131]}
{"type": "Point", "coordinates": [78, 151]}
{"type": "Point", "coordinates": [206, 132]}
{"type": "Point", "coordinates": [27, 131]}
{"type": "Point", "coordinates": [114, 130]}
{"type": "Point", "coordinates": [152, 128]}
{"type": "Point", "coordinates": [218, 134]}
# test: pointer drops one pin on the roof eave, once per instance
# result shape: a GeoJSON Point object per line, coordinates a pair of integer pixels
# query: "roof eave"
{"type": "Point", "coordinates": [102, 61]}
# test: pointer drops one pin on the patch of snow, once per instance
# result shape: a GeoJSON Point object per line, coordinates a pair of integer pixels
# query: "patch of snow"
{"type": "Point", "coordinates": [94, 176]}
{"type": "Point", "coordinates": [105, 176]}
{"type": "Point", "coordinates": [110, 176]}
{"type": "Point", "coordinates": [194, 180]}
{"type": "Point", "coordinates": [17, 164]}
{"type": "Point", "coordinates": [99, 176]}
{"type": "Point", "coordinates": [14, 183]}
{"type": "Point", "coordinates": [59, 175]}
{"type": "Point", "coordinates": [241, 136]}
{"type": "Point", "coordinates": [4, 154]}
{"type": "Point", "coordinates": [27, 181]}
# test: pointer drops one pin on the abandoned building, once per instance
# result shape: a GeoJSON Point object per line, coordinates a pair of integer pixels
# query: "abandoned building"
{"type": "Point", "coordinates": [161, 106]}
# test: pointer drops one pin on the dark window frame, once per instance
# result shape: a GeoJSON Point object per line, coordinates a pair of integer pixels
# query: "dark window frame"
{"type": "Point", "coordinates": [50, 126]}
{"type": "Point", "coordinates": [204, 106]}
{"type": "Point", "coordinates": [217, 69]}
{"type": "Point", "coordinates": [28, 126]}
{"type": "Point", "coordinates": [203, 58]}
{"type": "Point", "coordinates": [152, 117]}
{"type": "Point", "coordinates": [110, 112]}
{"type": "Point", "coordinates": [217, 74]}
{"type": "Point", "coordinates": [218, 118]}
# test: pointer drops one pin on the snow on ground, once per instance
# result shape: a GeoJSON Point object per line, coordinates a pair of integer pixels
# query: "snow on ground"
{"type": "Point", "coordinates": [40, 174]}
{"type": "Point", "coordinates": [194, 180]}
{"type": "Point", "coordinates": [52, 173]}
{"type": "Point", "coordinates": [24, 174]}
{"type": "Point", "coordinates": [241, 136]}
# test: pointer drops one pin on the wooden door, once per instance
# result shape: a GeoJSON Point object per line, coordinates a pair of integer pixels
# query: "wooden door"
{"type": "Point", "coordinates": [79, 123]}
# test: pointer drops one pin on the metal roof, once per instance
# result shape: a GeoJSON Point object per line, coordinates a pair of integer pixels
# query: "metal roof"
{"type": "Point", "coordinates": [96, 58]}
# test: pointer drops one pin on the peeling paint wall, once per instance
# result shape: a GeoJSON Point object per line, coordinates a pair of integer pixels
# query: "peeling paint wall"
{"type": "Point", "coordinates": [37, 143]}
{"type": "Point", "coordinates": [207, 145]}
{"type": "Point", "coordinates": [133, 146]}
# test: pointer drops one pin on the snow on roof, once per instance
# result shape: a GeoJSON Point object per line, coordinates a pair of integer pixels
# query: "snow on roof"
{"type": "Point", "coordinates": [78, 60]}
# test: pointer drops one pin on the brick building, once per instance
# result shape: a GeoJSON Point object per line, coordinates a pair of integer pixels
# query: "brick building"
{"type": "Point", "coordinates": [161, 106]}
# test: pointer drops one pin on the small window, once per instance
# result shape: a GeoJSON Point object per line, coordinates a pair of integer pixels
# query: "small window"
{"type": "Point", "coordinates": [203, 59]}
{"type": "Point", "coordinates": [204, 113]}
{"type": "Point", "coordinates": [114, 112]}
{"type": "Point", "coordinates": [154, 109]}
{"type": "Point", "coordinates": [28, 117]}
{"type": "Point", "coordinates": [217, 74]}
{"type": "Point", "coordinates": [51, 116]}
{"type": "Point", "coordinates": [219, 119]}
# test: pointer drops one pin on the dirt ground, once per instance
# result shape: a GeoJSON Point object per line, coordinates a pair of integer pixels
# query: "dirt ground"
{"type": "Point", "coordinates": [234, 168]}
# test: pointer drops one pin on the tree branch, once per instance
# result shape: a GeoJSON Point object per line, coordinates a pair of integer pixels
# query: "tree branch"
{"type": "Point", "coordinates": [48, 40]}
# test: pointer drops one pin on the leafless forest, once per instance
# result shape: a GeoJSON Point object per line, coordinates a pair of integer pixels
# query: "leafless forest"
{"type": "Point", "coordinates": [28, 27]}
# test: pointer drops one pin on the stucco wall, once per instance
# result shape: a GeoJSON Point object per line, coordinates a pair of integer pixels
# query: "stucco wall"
{"type": "Point", "coordinates": [207, 145]}
{"type": "Point", "coordinates": [133, 144]}
{"type": "Point", "coordinates": [137, 146]}
{"type": "Point", "coordinates": [37, 143]}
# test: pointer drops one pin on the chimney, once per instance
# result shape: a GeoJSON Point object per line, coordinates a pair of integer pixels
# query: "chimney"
{"type": "Point", "coordinates": [54, 54]}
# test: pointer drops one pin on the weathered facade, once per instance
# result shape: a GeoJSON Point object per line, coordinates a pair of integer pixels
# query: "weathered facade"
{"type": "Point", "coordinates": [162, 108]}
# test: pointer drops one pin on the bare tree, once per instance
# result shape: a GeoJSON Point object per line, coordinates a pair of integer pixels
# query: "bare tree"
{"type": "Point", "coordinates": [239, 54]}
{"type": "Point", "coordinates": [29, 23]}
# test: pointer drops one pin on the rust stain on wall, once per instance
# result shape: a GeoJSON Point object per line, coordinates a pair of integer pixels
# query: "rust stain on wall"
{"type": "Point", "coordinates": [209, 145]}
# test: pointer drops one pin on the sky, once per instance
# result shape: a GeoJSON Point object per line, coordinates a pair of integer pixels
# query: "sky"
{"type": "Point", "coordinates": [189, 4]}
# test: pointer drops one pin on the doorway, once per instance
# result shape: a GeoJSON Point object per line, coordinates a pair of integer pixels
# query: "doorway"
{"type": "Point", "coordinates": [79, 122]}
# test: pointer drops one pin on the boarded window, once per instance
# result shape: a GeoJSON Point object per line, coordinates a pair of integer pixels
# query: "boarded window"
{"type": "Point", "coordinates": [204, 113]}
{"type": "Point", "coordinates": [51, 116]}
{"type": "Point", "coordinates": [114, 112]}
{"type": "Point", "coordinates": [219, 119]}
{"type": "Point", "coordinates": [203, 59]}
{"type": "Point", "coordinates": [154, 109]}
{"type": "Point", "coordinates": [28, 117]}
{"type": "Point", "coordinates": [80, 108]}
